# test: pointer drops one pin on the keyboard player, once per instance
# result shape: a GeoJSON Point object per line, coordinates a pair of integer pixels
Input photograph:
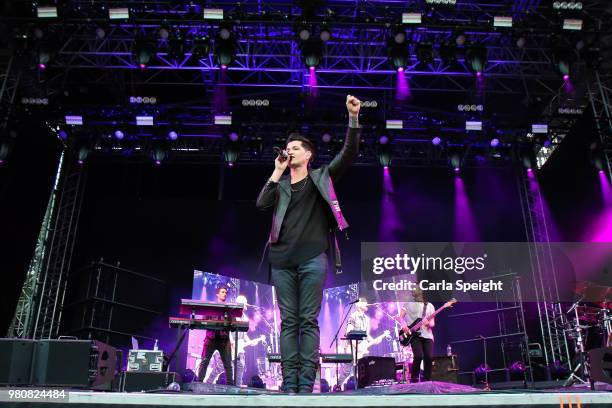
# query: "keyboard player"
{"type": "Point", "coordinates": [218, 340]}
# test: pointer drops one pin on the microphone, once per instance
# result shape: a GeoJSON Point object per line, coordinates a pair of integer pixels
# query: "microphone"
{"type": "Point", "coordinates": [281, 152]}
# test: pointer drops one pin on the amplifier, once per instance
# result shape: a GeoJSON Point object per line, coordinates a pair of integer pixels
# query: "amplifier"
{"type": "Point", "coordinates": [145, 360]}
{"type": "Point", "coordinates": [373, 368]}
{"type": "Point", "coordinates": [16, 361]}
{"type": "Point", "coordinates": [444, 368]}
{"type": "Point", "coordinates": [147, 381]}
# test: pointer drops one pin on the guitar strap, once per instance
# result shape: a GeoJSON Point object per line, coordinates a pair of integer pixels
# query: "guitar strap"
{"type": "Point", "coordinates": [424, 310]}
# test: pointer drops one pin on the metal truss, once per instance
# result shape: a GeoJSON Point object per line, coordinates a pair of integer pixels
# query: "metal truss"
{"type": "Point", "coordinates": [52, 279]}
{"type": "Point", "coordinates": [600, 97]}
{"type": "Point", "coordinates": [9, 83]}
{"type": "Point", "coordinates": [551, 317]}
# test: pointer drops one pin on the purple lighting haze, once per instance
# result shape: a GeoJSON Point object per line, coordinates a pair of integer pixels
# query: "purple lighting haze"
{"type": "Point", "coordinates": [157, 162]}
{"type": "Point", "coordinates": [478, 74]}
{"type": "Point", "coordinates": [390, 221]}
{"type": "Point", "coordinates": [606, 189]}
{"type": "Point", "coordinates": [233, 137]}
{"type": "Point", "coordinates": [383, 140]}
{"type": "Point", "coordinates": [567, 85]}
{"type": "Point", "coordinates": [436, 141]}
{"type": "Point", "coordinates": [566, 77]}
{"type": "Point", "coordinates": [494, 142]}
{"type": "Point", "coordinates": [465, 227]}
{"type": "Point", "coordinates": [231, 164]}
{"type": "Point", "coordinates": [143, 66]}
{"type": "Point", "coordinates": [223, 66]}
{"type": "Point", "coordinates": [312, 82]}
{"type": "Point", "coordinates": [457, 169]}
{"type": "Point", "coordinates": [42, 66]}
{"type": "Point", "coordinates": [541, 207]}
{"type": "Point", "coordinates": [119, 134]}
{"type": "Point", "coordinates": [402, 89]}
{"type": "Point", "coordinates": [80, 162]}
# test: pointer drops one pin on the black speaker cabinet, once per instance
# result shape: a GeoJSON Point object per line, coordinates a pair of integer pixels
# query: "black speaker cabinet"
{"type": "Point", "coordinates": [444, 368]}
{"type": "Point", "coordinates": [15, 361]}
{"type": "Point", "coordinates": [372, 368]}
{"type": "Point", "coordinates": [74, 363]}
{"type": "Point", "coordinates": [137, 381]}
{"type": "Point", "coordinates": [601, 364]}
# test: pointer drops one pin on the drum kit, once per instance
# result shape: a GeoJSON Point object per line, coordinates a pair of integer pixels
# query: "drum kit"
{"type": "Point", "coordinates": [589, 326]}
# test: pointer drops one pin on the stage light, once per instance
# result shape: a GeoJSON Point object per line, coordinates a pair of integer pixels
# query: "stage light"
{"type": "Point", "coordinates": [521, 41]}
{"type": "Point", "coordinates": [224, 51]}
{"type": "Point", "coordinates": [441, 2]}
{"type": "Point", "coordinates": [144, 120]}
{"type": "Point", "coordinates": [200, 47]}
{"type": "Point", "coordinates": [383, 140]}
{"type": "Point", "coordinates": [476, 57]}
{"type": "Point", "coordinates": [539, 128]}
{"type": "Point", "coordinates": [159, 155]}
{"type": "Point", "coordinates": [172, 135]}
{"type": "Point", "coordinates": [394, 124]}
{"type": "Point", "coordinates": [399, 36]}
{"type": "Point", "coordinates": [83, 153]}
{"type": "Point", "coordinates": [566, 77]}
{"type": "Point", "coordinates": [502, 21]}
{"type": "Point", "coordinates": [424, 53]}
{"type": "Point", "coordinates": [46, 12]}
{"type": "Point", "coordinates": [567, 5]}
{"type": "Point", "coordinates": [35, 101]}
{"type": "Point", "coordinates": [146, 100]}
{"type": "Point", "coordinates": [164, 33]}
{"type": "Point", "coordinates": [411, 18]}
{"type": "Point", "coordinates": [311, 53]}
{"type": "Point", "coordinates": [304, 33]}
{"type": "Point", "coordinates": [325, 34]}
{"type": "Point", "coordinates": [100, 33]}
{"type": "Point", "coordinates": [43, 55]}
{"type": "Point", "coordinates": [436, 141]}
{"type": "Point", "coordinates": [5, 149]}
{"type": "Point", "coordinates": [473, 125]}
{"type": "Point", "coordinates": [326, 138]}
{"type": "Point", "coordinates": [120, 13]}
{"type": "Point", "coordinates": [572, 24]}
{"type": "Point", "coordinates": [460, 39]}
{"type": "Point", "coordinates": [223, 120]}
{"type": "Point", "coordinates": [74, 120]}
{"type": "Point", "coordinates": [233, 137]}
{"type": "Point", "coordinates": [231, 153]}
{"type": "Point", "coordinates": [119, 134]}
{"type": "Point", "coordinates": [399, 56]}
{"type": "Point", "coordinates": [384, 157]}
{"type": "Point", "coordinates": [144, 51]}
{"type": "Point", "coordinates": [494, 142]}
{"type": "Point", "coordinates": [448, 53]}
{"type": "Point", "coordinates": [213, 14]}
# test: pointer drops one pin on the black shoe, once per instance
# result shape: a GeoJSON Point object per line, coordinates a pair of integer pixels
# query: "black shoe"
{"type": "Point", "coordinates": [305, 390]}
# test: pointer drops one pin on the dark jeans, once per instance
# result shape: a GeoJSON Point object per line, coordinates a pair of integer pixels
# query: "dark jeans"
{"type": "Point", "coordinates": [223, 345]}
{"type": "Point", "coordinates": [422, 349]}
{"type": "Point", "coordinates": [300, 292]}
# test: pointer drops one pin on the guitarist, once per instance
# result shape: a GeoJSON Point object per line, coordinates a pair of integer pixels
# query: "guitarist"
{"type": "Point", "coordinates": [243, 341]}
{"type": "Point", "coordinates": [422, 346]}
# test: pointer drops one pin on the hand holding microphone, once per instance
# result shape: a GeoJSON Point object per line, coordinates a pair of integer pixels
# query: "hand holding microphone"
{"type": "Point", "coordinates": [282, 159]}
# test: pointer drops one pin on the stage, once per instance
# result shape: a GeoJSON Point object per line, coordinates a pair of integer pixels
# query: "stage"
{"type": "Point", "coordinates": [428, 394]}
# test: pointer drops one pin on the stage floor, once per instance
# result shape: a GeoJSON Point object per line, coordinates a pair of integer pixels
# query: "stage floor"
{"type": "Point", "coordinates": [431, 394]}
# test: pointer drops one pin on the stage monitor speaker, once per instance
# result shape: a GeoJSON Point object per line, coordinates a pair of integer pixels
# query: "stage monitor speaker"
{"type": "Point", "coordinates": [16, 361]}
{"type": "Point", "coordinates": [601, 364]}
{"type": "Point", "coordinates": [444, 368]}
{"type": "Point", "coordinates": [137, 381]}
{"type": "Point", "coordinates": [373, 368]}
{"type": "Point", "coordinates": [74, 363]}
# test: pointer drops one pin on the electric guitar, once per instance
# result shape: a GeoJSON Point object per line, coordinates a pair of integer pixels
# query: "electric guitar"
{"type": "Point", "coordinates": [251, 342]}
{"type": "Point", "coordinates": [364, 346]}
{"type": "Point", "coordinates": [415, 326]}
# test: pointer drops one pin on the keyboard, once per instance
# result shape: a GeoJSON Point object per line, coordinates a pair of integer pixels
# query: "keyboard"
{"type": "Point", "coordinates": [356, 335]}
{"type": "Point", "coordinates": [207, 324]}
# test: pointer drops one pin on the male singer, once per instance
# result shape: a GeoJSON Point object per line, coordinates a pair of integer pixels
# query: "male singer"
{"type": "Point", "coordinates": [306, 211]}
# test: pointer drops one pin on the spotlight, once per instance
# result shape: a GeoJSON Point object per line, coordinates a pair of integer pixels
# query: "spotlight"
{"type": "Point", "coordinates": [383, 140]}
{"type": "Point", "coordinates": [476, 57]}
{"type": "Point", "coordinates": [572, 24]}
{"type": "Point", "coordinates": [224, 51]}
{"type": "Point", "coordinates": [164, 33]}
{"type": "Point", "coordinates": [303, 32]}
{"type": "Point", "coordinates": [399, 36]}
{"type": "Point", "coordinates": [563, 60]}
{"type": "Point", "coordinates": [144, 51]}
{"type": "Point", "coordinates": [43, 56]}
{"type": "Point", "coordinates": [399, 56]}
{"type": "Point", "coordinates": [224, 33]}
{"type": "Point", "coordinates": [325, 34]}
{"type": "Point", "coordinates": [144, 120]}
{"type": "Point", "coordinates": [394, 124]}
{"type": "Point", "coordinates": [46, 12]}
{"type": "Point", "coordinates": [233, 137]}
{"type": "Point", "coordinates": [502, 21]}
{"type": "Point", "coordinates": [384, 157]}
{"type": "Point", "coordinates": [411, 18]}
{"type": "Point", "coordinates": [231, 153]}
{"type": "Point", "coordinates": [326, 138]}
{"type": "Point", "coordinates": [121, 13]}
{"type": "Point", "coordinates": [436, 141]}
{"type": "Point", "coordinates": [448, 53]}
{"type": "Point", "coordinates": [172, 135]}
{"type": "Point", "coordinates": [312, 53]}
{"type": "Point", "coordinates": [200, 47]}
{"type": "Point", "coordinates": [424, 53]}
{"type": "Point", "coordinates": [119, 134]}
{"type": "Point", "coordinates": [74, 120]}
{"type": "Point", "coordinates": [159, 155]}
{"type": "Point", "coordinates": [83, 153]}
{"type": "Point", "coordinates": [455, 162]}
{"type": "Point", "coordinates": [521, 41]}
{"type": "Point", "coordinates": [213, 14]}
{"type": "Point", "coordinates": [100, 33]}
{"type": "Point", "coordinates": [460, 39]}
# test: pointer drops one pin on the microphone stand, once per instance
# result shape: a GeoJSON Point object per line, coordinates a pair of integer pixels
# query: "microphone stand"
{"type": "Point", "coordinates": [335, 339]}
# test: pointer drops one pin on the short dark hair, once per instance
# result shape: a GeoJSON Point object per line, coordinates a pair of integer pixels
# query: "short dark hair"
{"type": "Point", "coordinates": [306, 144]}
{"type": "Point", "coordinates": [221, 286]}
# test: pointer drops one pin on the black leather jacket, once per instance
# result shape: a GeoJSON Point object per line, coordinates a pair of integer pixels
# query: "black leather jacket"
{"type": "Point", "coordinates": [278, 195]}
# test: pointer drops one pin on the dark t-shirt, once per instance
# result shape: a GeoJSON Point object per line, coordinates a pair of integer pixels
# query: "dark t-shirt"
{"type": "Point", "coordinates": [305, 228]}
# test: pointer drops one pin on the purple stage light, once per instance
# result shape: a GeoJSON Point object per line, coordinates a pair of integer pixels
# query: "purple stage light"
{"type": "Point", "coordinates": [143, 66]}
{"type": "Point", "coordinates": [386, 168]}
{"type": "Point", "coordinates": [478, 74]}
{"type": "Point", "coordinates": [312, 82]}
{"type": "Point", "coordinates": [233, 137]}
{"type": "Point", "coordinates": [495, 142]}
{"type": "Point", "coordinates": [231, 164]}
{"type": "Point", "coordinates": [1, 161]}
{"type": "Point", "coordinates": [223, 66]}
{"type": "Point", "coordinates": [601, 172]}
{"type": "Point", "coordinates": [312, 68]}
{"type": "Point", "coordinates": [400, 69]}
{"type": "Point", "coordinates": [172, 135]}
{"type": "Point", "coordinates": [383, 140]}
{"type": "Point", "coordinates": [63, 135]}
{"type": "Point", "coordinates": [42, 66]}
{"type": "Point", "coordinates": [80, 162]}
{"type": "Point", "coordinates": [457, 169]}
{"type": "Point", "coordinates": [157, 162]}
{"type": "Point", "coordinates": [119, 134]}
{"type": "Point", "coordinates": [402, 88]}
{"type": "Point", "coordinates": [566, 77]}
{"type": "Point", "coordinates": [436, 141]}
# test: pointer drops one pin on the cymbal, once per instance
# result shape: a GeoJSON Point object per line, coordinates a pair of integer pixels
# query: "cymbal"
{"type": "Point", "coordinates": [593, 292]}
